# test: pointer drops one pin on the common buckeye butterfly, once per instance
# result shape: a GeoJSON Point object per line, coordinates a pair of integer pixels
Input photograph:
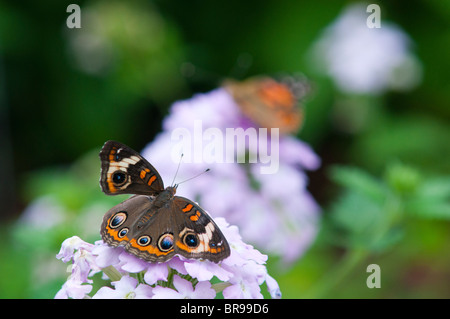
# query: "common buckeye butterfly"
{"type": "Point", "coordinates": [154, 224]}
{"type": "Point", "coordinates": [270, 103]}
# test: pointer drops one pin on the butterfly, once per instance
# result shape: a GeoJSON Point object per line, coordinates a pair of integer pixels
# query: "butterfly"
{"type": "Point", "coordinates": [269, 103]}
{"type": "Point", "coordinates": [154, 224]}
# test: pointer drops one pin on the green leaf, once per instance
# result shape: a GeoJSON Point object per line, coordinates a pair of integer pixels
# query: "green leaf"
{"type": "Point", "coordinates": [359, 181]}
{"type": "Point", "coordinates": [402, 179]}
{"type": "Point", "coordinates": [437, 188]}
{"type": "Point", "coordinates": [387, 240]}
{"type": "Point", "coordinates": [432, 200]}
{"type": "Point", "coordinates": [363, 223]}
{"type": "Point", "coordinates": [429, 209]}
{"type": "Point", "coordinates": [357, 214]}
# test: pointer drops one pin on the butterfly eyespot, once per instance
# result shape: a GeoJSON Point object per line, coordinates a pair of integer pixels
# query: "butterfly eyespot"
{"type": "Point", "coordinates": [119, 178]}
{"type": "Point", "coordinates": [144, 240]}
{"type": "Point", "coordinates": [165, 242]}
{"type": "Point", "coordinates": [118, 219]}
{"type": "Point", "coordinates": [191, 240]}
{"type": "Point", "coordinates": [123, 232]}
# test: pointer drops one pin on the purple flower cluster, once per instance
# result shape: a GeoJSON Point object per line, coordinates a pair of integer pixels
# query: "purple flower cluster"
{"type": "Point", "coordinates": [238, 276]}
{"type": "Point", "coordinates": [275, 212]}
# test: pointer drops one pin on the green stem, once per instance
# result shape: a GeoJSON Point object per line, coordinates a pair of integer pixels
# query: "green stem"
{"type": "Point", "coordinates": [335, 276]}
{"type": "Point", "coordinates": [140, 277]}
{"type": "Point", "coordinates": [170, 278]}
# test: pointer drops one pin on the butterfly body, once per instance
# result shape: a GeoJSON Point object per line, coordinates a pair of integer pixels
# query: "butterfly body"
{"type": "Point", "coordinates": [154, 224]}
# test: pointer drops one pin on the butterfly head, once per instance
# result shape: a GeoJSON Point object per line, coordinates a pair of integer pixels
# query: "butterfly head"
{"type": "Point", "coordinates": [172, 189]}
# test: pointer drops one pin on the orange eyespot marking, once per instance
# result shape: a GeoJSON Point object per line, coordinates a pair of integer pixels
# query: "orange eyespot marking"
{"type": "Point", "coordinates": [150, 249]}
{"type": "Point", "coordinates": [116, 234]}
{"type": "Point", "coordinates": [187, 208]}
{"type": "Point", "coordinates": [111, 186]}
{"type": "Point", "coordinates": [183, 246]}
{"type": "Point", "coordinates": [151, 180]}
{"type": "Point", "coordinates": [195, 217]}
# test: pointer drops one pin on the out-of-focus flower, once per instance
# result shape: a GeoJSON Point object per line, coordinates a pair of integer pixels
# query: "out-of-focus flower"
{"type": "Point", "coordinates": [366, 60]}
{"type": "Point", "coordinates": [122, 41]}
{"type": "Point", "coordinates": [271, 210]}
{"type": "Point", "coordinates": [43, 213]}
{"type": "Point", "coordinates": [241, 274]}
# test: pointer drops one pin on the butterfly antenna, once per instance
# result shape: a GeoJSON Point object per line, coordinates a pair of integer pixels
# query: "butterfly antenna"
{"type": "Point", "coordinates": [176, 173]}
{"type": "Point", "coordinates": [206, 170]}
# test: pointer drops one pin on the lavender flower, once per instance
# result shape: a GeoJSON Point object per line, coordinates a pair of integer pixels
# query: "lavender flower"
{"type": "Point", "coordinates": [184, 290]}
{"type": "Point", "coordinates": [79, 252]}
{"type": "Point", "coordinates": [273, 211]}
{"type": "Point", "coordinates": [240, 275]}
{"type": "Point", "coordinates": [126, 288]}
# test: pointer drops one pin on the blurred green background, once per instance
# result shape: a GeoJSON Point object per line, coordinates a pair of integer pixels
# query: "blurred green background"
{"type": "Point", "coordinates": [64, 92]}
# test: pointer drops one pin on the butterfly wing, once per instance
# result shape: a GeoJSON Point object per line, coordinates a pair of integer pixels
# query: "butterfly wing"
{"type": "Point", "coordinates": [139, 228]}
{"type": "Point", "coordinates": [125, 171]}
{"type": "Point", "coordinates": [197, 235]}
{"type": "Point", "coordinates": [267, 103]}
{"type": "Point", "coordinates": [118, 226]}
{"type": "Point", "coordinates": [157, 234]}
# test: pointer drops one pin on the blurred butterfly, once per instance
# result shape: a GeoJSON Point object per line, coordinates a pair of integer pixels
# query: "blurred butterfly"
{"type": "Point", "coordinates": [270, 103]}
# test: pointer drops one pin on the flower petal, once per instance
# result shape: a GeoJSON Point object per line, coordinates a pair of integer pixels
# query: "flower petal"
{"type": "Point", "coordinates": [107, 256]}
{"type": "Point", "coordinates": [131, 263]}
{"type": "Point", "coordinates": [205, 270]}
{"type": "Point", "coordinates": [156, 272]}
{"type": "Point", "coordinates": [166, 293]}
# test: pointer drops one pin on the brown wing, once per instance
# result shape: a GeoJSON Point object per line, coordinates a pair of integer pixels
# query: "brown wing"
{"type": "Point", "coordinates": [157, 234]}
{"type": "Point", "coordinates": [125, 171]}
{"type": "Point", "coordinates": [197, 235]}
{"type": "Point", "coordinates": [140, 229]}
{"type": "Point", "coordinates": [118, 226]}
